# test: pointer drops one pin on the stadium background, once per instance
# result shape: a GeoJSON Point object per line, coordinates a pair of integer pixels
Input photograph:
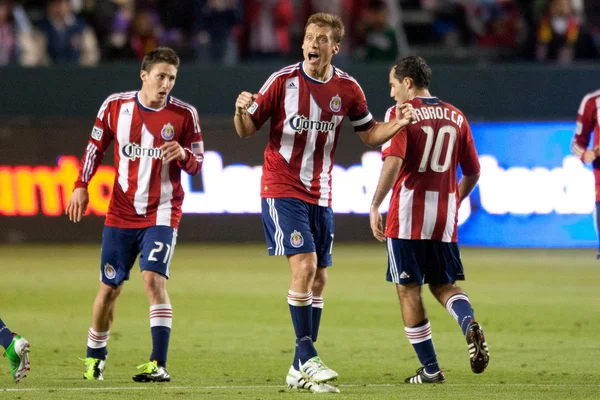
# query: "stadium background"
{"type": "Point", "coordinates": [522, 117]}
{"type": "Point", "coordinates": [232, 337]}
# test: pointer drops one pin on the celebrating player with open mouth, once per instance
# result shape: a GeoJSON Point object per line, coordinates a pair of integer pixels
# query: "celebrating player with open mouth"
{"type": "Point", "coordinates": [307, 103]}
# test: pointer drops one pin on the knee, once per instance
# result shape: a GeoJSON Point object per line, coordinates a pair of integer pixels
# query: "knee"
{"type": "Point", "coordinates": [320, 279]}
{"type": "Point", "coordinates": [443, 291]}
{"type": "Point", "coordinates": [155, 284]}
{"type": "Point", "coordinates": [109, 293]}
{"type": "Point", "coordinates": [305, 270]}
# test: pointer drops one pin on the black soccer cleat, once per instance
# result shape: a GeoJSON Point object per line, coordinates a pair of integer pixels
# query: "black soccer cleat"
{"type": "Point", "coordinates": [423, 377]}
{"type": "Point", "coordinates": [152, 372]}
{"type": "Point", "coordinates": [478, 349]}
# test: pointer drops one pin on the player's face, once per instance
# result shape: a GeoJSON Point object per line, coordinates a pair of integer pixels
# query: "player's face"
{"type": "Point", "coordinates": [398, 91]}
{"type": "Point", "coordinates": [158, 83]}
{"type": "Point", "coordinates": [318, 47]}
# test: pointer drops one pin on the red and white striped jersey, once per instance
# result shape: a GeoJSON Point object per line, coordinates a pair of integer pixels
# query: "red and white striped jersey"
{"type": "Point", "coordinates": [147, 191]}
{"type": "Point", "coordinates": [306, 116]}
{"type": "Point", "coordinates": [424, 203]}
{"type": "Point", "coordinates": [588, 119]}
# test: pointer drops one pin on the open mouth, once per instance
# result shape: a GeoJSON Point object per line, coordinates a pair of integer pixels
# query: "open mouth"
{"type": "Point", "coordinates": [313, 57]}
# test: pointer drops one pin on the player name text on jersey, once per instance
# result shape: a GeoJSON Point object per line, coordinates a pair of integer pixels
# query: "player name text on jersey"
{"type": "Point", "coordinates": [437, 112]}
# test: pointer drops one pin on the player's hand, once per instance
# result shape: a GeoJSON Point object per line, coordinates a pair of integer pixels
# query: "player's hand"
{"type": "Point", "coordinates": [376, 224]}
{"type": "Point", "coordinates": [243, 102]}
{"type": "Point", "coordinates": [172, 151]}
{"type": "Point", "coordinates": [77, 204]}
{"type": "Point", "coordinates": [405, 114]}
{"type": "Point", "coordinates": [590, 155]}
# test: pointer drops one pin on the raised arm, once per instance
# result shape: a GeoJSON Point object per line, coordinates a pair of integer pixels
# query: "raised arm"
{"type": "Point", "coordinates": [244, 126]}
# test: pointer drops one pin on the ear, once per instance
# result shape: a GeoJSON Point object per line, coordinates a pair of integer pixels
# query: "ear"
{"type": "Point", "coordinates": [336, 48]}
{"type": "Point", "coordinates": [406, 81]}
{"type": "Point", "coordinates": [143, 75]}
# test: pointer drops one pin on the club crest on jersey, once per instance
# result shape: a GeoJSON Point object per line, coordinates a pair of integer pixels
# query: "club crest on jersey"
{"type": "Point", "coordinates": [109, 271]}
{"type": "Point", "coordinates": [296, 239]}
{"type": "Point", "coordinates": [300, 123]}
{"type": "Point", "coordinates": [336, 103]}
{"type": "Point", "coordinates": [167, 132]}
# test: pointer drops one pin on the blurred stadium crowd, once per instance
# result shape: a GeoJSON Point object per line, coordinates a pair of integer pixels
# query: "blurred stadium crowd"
{"type": "Point", "coordinates": [87, 32]}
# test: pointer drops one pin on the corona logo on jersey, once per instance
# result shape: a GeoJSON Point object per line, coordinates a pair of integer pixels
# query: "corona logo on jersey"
{"type": "Point", "coordinates": [300, 123]}
{"type": "Point", "coordinates": [133, 151]}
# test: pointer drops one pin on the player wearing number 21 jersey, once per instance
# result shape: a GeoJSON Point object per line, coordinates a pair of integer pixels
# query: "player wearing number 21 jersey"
{"type": "Point", "coordinates": [155, 136]}
{"type": "Point", "coordinates": [421, 164]}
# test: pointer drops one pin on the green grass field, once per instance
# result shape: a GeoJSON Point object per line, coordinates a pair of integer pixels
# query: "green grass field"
{"type": "Point", "coordinates": [232, 337]}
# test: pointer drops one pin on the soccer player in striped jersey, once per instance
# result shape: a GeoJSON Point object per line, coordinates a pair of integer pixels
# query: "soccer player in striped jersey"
{"type": "Point", "coordinates": [307, 103]}
{"type": "Point", "coordinates": [421, 164]}
{"type": "Point", "coordinates": [588, 121]}
{"type": "Point", "coordinates": [156, 136]}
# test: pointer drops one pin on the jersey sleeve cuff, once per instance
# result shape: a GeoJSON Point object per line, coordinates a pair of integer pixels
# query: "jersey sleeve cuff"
{"type": "Point", "coordinates": [80, 184]}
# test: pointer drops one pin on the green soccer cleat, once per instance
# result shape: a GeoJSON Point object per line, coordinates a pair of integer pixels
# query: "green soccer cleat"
{"type": "Point", "coordinates": [152, 372]}
{"type": "Point", "coordinates": [18, 358]}
{"type": "Point", "coordinates": [94, 367]}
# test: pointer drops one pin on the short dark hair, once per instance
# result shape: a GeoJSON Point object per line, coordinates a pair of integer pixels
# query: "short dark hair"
{"type": "Point", "coordinates": [160, 55]}
{"type": "Point", "coordinates": [415, 68]}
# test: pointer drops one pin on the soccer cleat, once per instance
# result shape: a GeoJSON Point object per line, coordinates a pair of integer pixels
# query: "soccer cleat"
{"type": "Point", "coordinates": [295, 380]}
{"type": "Point", "coordinates": [152, 372]}
{"type": "Point", "coordinates": [424, 377]}
{"type": "Point", "coordinates": [315, 371]}
{"type": "Point", "coordinates": [94, 367]}
{"type": "Point", "coordinates": [18, 357]}
{"type": "Point", "coordinates": [478, 349]}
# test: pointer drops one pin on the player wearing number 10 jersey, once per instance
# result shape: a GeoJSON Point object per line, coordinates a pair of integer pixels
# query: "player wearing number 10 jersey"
{"type": "Point", "coordinates": [421, 163]}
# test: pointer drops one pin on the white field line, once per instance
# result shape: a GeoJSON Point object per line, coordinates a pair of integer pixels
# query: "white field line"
{"type": "Point", "coordinates": [234, 387]}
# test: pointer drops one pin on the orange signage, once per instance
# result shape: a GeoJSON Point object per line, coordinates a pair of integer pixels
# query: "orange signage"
{"type": "Point", "coordinates": [23, 189]}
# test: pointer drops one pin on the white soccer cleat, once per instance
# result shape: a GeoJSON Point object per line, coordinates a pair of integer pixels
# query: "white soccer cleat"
{"type": "Point", "coordinates": [315, 371]}
{"type": "Point", "coordinates": [295, 380]}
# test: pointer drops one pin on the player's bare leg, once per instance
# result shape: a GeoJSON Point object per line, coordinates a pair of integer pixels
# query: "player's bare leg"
{"type": "Point", "coordinates": [300, 297]}
{"type": "Point", "coordinates": [161, 316]}
{"type": "Point", "coordinates": [103, 314]}
{"type": "Point", "coordinates": [458, 305]}
{"type": "Point", "coordinates": [418, 331]}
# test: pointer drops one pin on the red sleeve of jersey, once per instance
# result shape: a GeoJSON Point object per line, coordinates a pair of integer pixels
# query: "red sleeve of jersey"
{"type": "Point", "coordinates": [586, 120]}
{"type": "Point", "coordinates": [469, 161]}
{"type": "Point", "coordinates": [100, 138]}
{"type": "Point", "coordinates": [359, 115]}
{"type": "Point", "coordinates": [268, 96]}
{"type": "Point", "coordinates": [192, 143]}
{"type": "Point", "coordinates": [396, 146]}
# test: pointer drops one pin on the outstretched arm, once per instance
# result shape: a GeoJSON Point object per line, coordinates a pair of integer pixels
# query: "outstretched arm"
{"type": "Point", "coordinates": [389, 173]}
{"type": "Point", "coordinates": [381, 132]}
